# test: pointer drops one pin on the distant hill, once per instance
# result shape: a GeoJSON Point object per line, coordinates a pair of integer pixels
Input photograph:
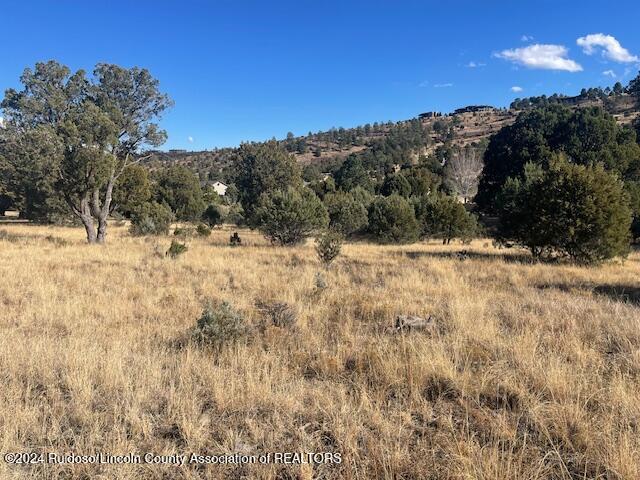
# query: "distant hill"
{"type": "Point", "coordinates": [401, 141]}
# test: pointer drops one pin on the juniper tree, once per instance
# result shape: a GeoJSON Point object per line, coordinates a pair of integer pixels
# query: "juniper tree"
{"type": "Point", "coordinates": [95, 128]}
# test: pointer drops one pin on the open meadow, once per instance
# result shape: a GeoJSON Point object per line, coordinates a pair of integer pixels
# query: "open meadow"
{"type": "Point", "coordinates": [529, 371]}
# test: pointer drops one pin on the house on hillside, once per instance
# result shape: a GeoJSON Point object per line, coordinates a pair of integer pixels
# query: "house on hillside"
{"type": "Point", "coordinates": [474, 109]}
{"type": "Point", "coordinates": [220, 188]}
{"type": "Point", "coordinates": [426, 115]}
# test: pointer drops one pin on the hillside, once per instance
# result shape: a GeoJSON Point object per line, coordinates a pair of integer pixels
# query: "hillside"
{"type": "Point", "coordinates": [457, 129]}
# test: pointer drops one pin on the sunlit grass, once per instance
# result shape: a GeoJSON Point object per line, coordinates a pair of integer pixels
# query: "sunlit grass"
{"type": "Point", "coordinates": [532, 371]}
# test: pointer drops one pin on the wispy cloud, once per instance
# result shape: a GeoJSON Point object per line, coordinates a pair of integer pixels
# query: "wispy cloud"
{"type": "Point", "coordinates": [190, 138]}
{"type": "Point", "coordinates": [443, 85]}
{"type": "Point", "coordinates": [473, 64]}
{"type": "Point", "coordinates": [608, 45]}
{"type": "Point", "coordinates": [609, 73]}
{"type": "Point", "coordinates": [423, 84]}
{"type": "Point", "coordinates": [538, 56]}
{"type": "Point", "coordinates": [516, 89]}
{"type": "Point", "coordinates": [526, 38]}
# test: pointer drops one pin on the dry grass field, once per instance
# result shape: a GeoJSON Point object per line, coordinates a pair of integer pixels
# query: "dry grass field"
{"type": "Point", "coordinates": [532, 371]}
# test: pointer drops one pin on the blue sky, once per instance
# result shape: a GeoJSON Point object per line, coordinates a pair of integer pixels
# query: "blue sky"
{"type": "Point", "coordinates": [250, 70]}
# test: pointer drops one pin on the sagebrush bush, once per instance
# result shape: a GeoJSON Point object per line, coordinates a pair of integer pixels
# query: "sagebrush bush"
{"type": "Point", "coordinates": [151, 219]}
{"type": "Point", "coordinates": [202, 230]}
{"type": "Point", "coordinates": [279, 314]}
{"type": "Point", "coordinates": [176, 249]}
{"type": "Point", "coordinates": [219, 325]}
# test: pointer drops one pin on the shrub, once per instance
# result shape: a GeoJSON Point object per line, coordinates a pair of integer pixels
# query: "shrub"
{"type": "Point", "coordinates": [568, 210]}
{"type": "Point", "coordinates": [279, 314]}
{"type": "Point", "coordinates": [176, 249]}
{"type": "Point", "coordinates": [212, 216]}
{"type": "Point", "coordinates": [219, 325]}
{"type": "Point", "coordinates": [287, 217]}
{"type": "Point", "coordinates": [235, 240]}
{"type": "Point", "coordinates": [443, 216]}
{"type": "Point", "coordinates": [346, 214]}
{"type": "Point", "coordinates": [151, 219]}
{"type": "Point", "coordinates": [262, 169]}
{"type": "Point", "coordinates": [184, 232]}
{"type": "Point", "coordinates": [392, 219]}
{"type": "Point", "coordinates": [202, 230]}
{"type": "Point", "coordinates": [328, 246]}
{"type": "Point", "coordinates": [235, 215]}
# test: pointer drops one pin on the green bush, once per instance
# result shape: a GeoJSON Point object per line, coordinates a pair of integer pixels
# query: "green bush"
{"type": "Point", "coordinates": [236, 215]}
{"type": "Point", "coordinates": [580, 212]}
{"type": "Point", "coordinates": [176, 249]}
{"type": "Point", "coordinates": [151, 219]}
{"type": "Point", "coordinates": [392, 220]}
{"type": "Point", "coordinates": [219, 325]}
{"type": "Point", "coordinates": [202, 230]}
{"type": "Point", "coordinates": [212, 216]}
{"type": "Point", "coordinates": [328, 246]}
{"type": "Point", "coordinates": [179, 187]}
{"type": "Point", "coordinates": [443, 216]}
{"type": "Point", "coordinates": [346, 214]}
{"type": "Point", "coordinates": [287, 217]}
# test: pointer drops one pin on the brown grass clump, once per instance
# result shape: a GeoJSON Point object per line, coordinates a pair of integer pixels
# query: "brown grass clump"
{"type": "Point", "coordinates": [532, 371]}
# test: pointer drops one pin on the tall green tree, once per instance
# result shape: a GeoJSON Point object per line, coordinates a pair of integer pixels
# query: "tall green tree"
{"type": "Point", "coordinates": [634, 87]}
{"type": "Point", "coordinates": [263, 168]}
{"type": "Point", "coordinates": [179, 188]}
{"type": "Point", "coordinates": [396, 183]}
{"type": "Point", "coordinates": [586, 136]}
{"type": "Point", "coordinates": [346, 214]}
{"type": "Point", "coordinates": [132, 190]}
{"type": "Point", "coordinates": [95, 128]}
{"type": "Point", "coordinates": [352, 174]}
{"type": "Point", "coordinates": [29, 170]}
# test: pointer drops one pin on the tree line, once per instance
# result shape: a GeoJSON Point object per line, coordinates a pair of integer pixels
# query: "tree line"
{"type": "Point", "coordinates": [560, 182]}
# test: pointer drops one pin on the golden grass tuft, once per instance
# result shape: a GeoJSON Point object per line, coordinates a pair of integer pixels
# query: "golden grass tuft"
{"type": "Point", "coordinates": [531, 372]}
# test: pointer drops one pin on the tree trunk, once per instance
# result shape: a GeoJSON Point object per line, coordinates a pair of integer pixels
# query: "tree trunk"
{"type": "Point", "coordinates": [89, 228]}
{"type": "Point", "coordinates": [104, 211]}
{"type": "Point", "coordinates": [102, 229]}
{"type": "Point", "coordinates": [87, 219]}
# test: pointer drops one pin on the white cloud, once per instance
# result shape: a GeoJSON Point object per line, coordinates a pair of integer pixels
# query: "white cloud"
{"type": "Point", "coordinates": [424, 84]}
{"type": "Point", "coordinates": [546, 57]}
{"type": "Point", "coordinates": [475, 64]}
{"type": "Point", "coordinates": [526, 38]}
{"type": "Point", "coordinates": [609, 46]}
{"type": "Point", "coordinates": [609, 73]}
{"type": "Point", "coordinates": [190, 139]}
{"type": "Point", "coordinates": [443, 85]}
{"type": "Point", "coordinates": [516, 89]}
